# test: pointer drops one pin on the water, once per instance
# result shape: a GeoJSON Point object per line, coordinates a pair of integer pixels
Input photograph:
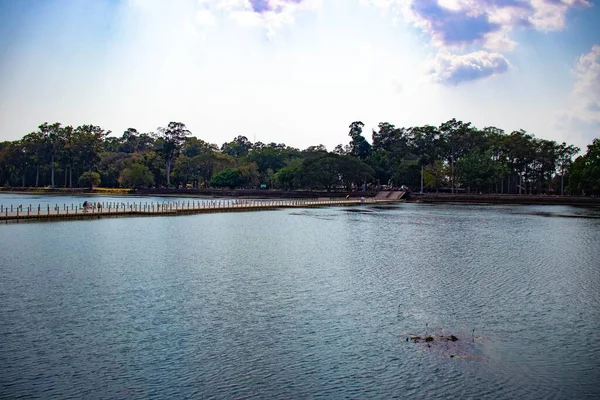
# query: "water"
{"type": "Point", "coordinates": [310, 303]}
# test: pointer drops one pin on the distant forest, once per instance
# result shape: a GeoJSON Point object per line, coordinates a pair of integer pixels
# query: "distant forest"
{"type": "Point", "coordinates": [454, 156]}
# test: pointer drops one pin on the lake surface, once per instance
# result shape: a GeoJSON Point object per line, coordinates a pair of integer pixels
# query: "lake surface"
{"type": "Point", "coordinates": [312, 303]}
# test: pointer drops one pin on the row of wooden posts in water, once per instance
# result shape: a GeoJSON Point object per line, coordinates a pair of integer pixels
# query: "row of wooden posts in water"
{"type": "Point", "coordinates": [99, 209]}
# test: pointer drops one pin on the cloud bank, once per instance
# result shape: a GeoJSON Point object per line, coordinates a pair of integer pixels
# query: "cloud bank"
{"type": "Point", "coordinates": [587, 87]}
{"type": "Point", "coordinates": [580, 118]}
{"type": "Point", "coordinates": [476, 31]}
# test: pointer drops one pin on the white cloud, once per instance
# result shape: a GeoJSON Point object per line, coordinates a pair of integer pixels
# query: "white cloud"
{"type": "Point", "coordinates": [580, 119]}
{"type": "Point", "coordinates": [451, 69]}
{"type": "Point", "coordinates": [499, 41]}
{"type": "Point", "coordinates": [271, 15]}
{"type": "Point", "coordinates": [205, 17]}
{"type": "Point", "coordinates": [586, 93]}
{"type": "Point", "coordinates": [453, 23]}
{"type": "Point", "coordinates": [549, 15]}
{"type": "Point", "coordinates": [465, 25]}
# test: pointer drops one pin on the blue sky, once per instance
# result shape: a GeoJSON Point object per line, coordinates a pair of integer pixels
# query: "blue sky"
{"type": "Point", "coordinates": [300, 71]}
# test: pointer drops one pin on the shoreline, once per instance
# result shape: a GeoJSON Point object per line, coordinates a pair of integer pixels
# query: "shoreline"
{"type": "Point", "coordinates": [507, 199]}
{"type": "Point", "coordinates": [191, 193]}
{"type": "Point", "coordinates": [414, 197]}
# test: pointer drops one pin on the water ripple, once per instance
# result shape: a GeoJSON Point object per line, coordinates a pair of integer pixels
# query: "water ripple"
{"type": "Point", "coordinates": [312, 304]}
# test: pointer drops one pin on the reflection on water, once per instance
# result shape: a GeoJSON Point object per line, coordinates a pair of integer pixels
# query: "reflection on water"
{"type": "Point", "coordinates": [303, 304]}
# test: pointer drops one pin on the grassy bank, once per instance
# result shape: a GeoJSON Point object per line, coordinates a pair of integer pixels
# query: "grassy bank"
{"type": "Point", "coordinates": [299, 194]}
{"type": "Point", "coordinates": [65, 191]}
{"type": "Point", "coordinates": [244, 193]}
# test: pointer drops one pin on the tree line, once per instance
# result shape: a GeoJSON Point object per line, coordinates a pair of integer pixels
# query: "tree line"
{"type": "Point", "coordinates": [454, 156]}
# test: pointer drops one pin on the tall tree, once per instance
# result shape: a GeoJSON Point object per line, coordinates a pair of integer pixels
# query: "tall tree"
{"type": "Point", "coordinates": [87, 143]}
{"type": "Point", "coordinates": [54, 138]}
{"type": "Point", "coordinates": [17, 160]}
{"type": "Point", "coordinates": [359, 147]}
{"type": "Point", "coordinates": [454, 136]}
{"type": "Point", "coordinates": [171, 139]}
{"type": "Point", "coordinates": [35, 142]}
{"type": "Point", "coordinates": [585, 171]}
{"type": "Point", "coordinates": [478, 170]}
{"type": "Point", "coordinates": [128, 142]}
{"type": "Point", "coordinates": [565, 155]}
{"type": "Point", "coordinates": [238, 147]}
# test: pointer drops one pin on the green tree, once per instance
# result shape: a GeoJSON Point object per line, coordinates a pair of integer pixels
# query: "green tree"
{"type": "Point", "coordinates": [434, 175]}
{"type": "Point", "coordinates": [322, 171]}
{"type": "Point", "coordinates": [169, 144]}
{"type": "Point", "coordinates": [111, 165]}
{"type": "Point", "coordinates": [135, 176]}
{"type": "Point", "coordinates": [17, 161]}
{"type": "Point", "coordinates": [238, 147]}
{"type": "Point", "coordinates": [249, 175]}
{"type": "Point", "coordinates": [454, 140]}
{"type": "Point", "coordinates": [565, 155]}
{"type": "Point", "coordinates": [359, 147]}
{"type": "Point", "coordinates": [290, 176]}
{"type": "Point", "coordinates": [128, 142]}
{"type": "Point", "coordinates": [354, 172]}
{"type": "Point", "coordinates": [267, 158]}
{"type": "Point", "coordinates": [314, 150]}
{"type": "Point", "coordinates": [85, 146]}
{"type": "Point", "coordinates": [231, 177]}
{"type": "Point", "coordinates": [54, 137]}
{"type": "Point", "coordinates": [89, 179]}
{"type": "Point", "coordinates": [193, 147]}
{"type": "Point", "coordinates": [478, 170]}
{"type": "Point", "coordinates": [35, 143]}
{"type": "Point", "coordinates": [186, 170]}
{"type": "Point", "coordinates": [585, 171]}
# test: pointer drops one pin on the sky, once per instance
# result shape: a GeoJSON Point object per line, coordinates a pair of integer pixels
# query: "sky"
{"type": "Point", "coordinates": [300, 72]}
